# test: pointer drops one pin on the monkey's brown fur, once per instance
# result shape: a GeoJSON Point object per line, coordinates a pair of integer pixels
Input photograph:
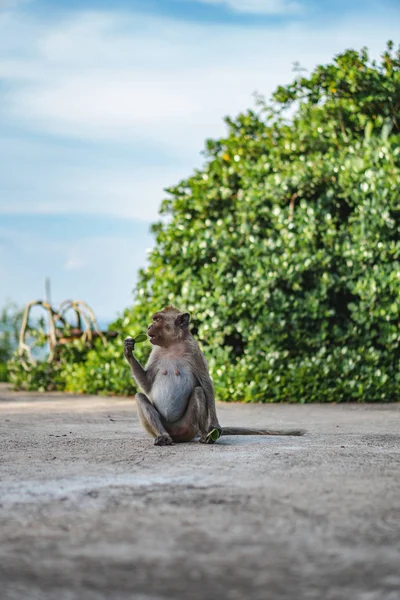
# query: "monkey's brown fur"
{"type": "Point", "coordinates": [177, 403]}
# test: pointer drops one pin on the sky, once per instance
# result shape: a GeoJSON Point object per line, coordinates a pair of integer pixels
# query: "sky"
{"type": "Point", "coordinates": [103, 105]}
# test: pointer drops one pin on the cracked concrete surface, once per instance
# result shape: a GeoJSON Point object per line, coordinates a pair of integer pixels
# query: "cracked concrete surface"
{"type": "Point", "coordinates": [90, 509]}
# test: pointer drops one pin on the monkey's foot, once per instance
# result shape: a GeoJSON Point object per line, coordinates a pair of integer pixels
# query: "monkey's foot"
{"type": "Point", "coordinates": [163, 440]}
{"type": "Point", "coordinates": [212, 436]}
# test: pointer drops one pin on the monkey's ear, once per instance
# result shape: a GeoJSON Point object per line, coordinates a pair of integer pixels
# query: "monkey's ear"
{"type": "Point", "coordinates": [182, 320]}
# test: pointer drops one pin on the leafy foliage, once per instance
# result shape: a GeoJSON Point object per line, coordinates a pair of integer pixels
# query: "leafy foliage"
{"type": "Point", "coordinates": [10, 322]}
{"type": "Point", "coordinates": [285, 246]}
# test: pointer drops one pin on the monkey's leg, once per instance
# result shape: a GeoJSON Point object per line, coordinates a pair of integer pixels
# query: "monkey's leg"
{"type": "Point", "coordinates": [208, 425]}
{"type": "Point", "coordinates": [208, 419]}
{"type": "Point", "coordinates": [194, 421]}
{"type": "Point", "coordinates": [151, 421]}
{"type": "Point", "coordinates": [187, 427]}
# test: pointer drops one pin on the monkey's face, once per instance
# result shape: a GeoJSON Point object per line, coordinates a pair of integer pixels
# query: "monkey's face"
{"type": "Point", "coordinates": [168, 327]}
{"type": "Point", "coordinates": [158, 330]}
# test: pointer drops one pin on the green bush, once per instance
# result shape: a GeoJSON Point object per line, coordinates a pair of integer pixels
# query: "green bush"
{"type": "Point", "coordinates": [10, 322]}
{"type": "Point", "coordinates": [285, 246]}
{"type": "Point", "coordinates": [90, 368]}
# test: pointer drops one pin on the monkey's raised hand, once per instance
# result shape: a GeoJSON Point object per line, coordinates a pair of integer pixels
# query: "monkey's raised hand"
{"type": "Point", "coordinates": [129, 346]}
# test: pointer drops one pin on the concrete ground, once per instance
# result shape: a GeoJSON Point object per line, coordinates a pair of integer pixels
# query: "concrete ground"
{"type": "Point", "coordinates": [90, 509]}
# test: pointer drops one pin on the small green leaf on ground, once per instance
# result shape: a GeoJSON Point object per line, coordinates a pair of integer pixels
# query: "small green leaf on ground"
{"type": "Point", "coordinates": [214, 434]}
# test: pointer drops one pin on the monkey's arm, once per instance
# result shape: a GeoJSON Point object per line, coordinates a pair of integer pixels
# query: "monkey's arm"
{"type": "Point", "coordinates": [139, 374]}
{"type": "Point", "coordinates": [206, 384]}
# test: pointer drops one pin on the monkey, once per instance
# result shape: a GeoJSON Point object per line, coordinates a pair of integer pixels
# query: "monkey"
{"type": "Point", "coordinates": [177, 402]}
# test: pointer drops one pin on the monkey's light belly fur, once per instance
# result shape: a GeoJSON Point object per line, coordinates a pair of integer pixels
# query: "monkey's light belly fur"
{"type": "Point", "coordinates": [170, 392]}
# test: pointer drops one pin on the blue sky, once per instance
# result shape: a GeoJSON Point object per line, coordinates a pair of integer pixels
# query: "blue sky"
{"type": "Point", "coordinates": [104, 104]}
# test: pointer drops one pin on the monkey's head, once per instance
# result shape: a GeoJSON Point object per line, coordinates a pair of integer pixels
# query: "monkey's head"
{"type": "Point", "coordinates": [168, 327]}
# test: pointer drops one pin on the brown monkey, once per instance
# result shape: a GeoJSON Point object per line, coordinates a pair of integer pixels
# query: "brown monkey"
{"type": "Point", "coordinates": [178, 401]}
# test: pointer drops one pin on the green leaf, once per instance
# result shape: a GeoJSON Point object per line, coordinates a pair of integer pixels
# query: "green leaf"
{"type": "Point", "coordinates": [142, 337]}
{"type": "Point", "coordinates": [214, 434]}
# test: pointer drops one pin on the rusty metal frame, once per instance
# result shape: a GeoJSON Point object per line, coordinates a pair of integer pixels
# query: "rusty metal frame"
{"type": "Point", "coordinates": [84, 314]}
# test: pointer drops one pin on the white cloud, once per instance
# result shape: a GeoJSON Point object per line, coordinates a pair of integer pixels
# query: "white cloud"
{"type": "Point", "coordinates": [107, 76]}
{"type": "Point", "coordinates": [260, 7]}
{"type": "Point", "coordinates": [157, 87]}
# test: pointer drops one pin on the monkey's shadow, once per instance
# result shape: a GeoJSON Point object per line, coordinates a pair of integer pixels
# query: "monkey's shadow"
{"type": "Point", "coordinates": [244, 440]}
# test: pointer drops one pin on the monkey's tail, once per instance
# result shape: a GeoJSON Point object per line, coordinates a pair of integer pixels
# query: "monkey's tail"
{"type": "Point", "coordinates": [251, 431]}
